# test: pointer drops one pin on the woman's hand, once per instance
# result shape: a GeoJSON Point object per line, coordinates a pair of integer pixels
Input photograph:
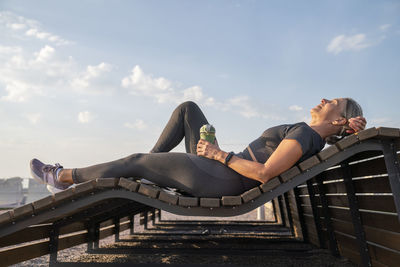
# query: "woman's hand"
{"type": "Point", "coordinates": [208, 150]}
{"type": "Point", "coordinates": [356, 124]}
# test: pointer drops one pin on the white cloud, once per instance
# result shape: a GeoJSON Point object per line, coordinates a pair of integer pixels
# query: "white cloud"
{"type": "Point", "coordinates": [18, 91]}
{"type": "Point", "coordinates": [92, 80]}
{"type": "Point", "coordinates": [193, 93]}
{"type": "Point", "coordinates": [85, 117]}
{"type": "Point", "coordinates": [24, 74]}
{"type": "Point", "coordinates": [348, 43]}
{"type": "Point", "coordinates": [44, 72]}
{"type": "Point", "coordinates": [6, 50]}
{"type": "Point", "coordinates": [243, 105]}
{"type": "Point", "coordinates": [44, 54]}
{"type": "Point", "coordinates": [140, 83]}
{"type": "Point", "coordinates": [385, 27]}
{"type": "Point", "coordinates": [295, 108]}
{"type": "Point", "coordinates": [33, 118]}
{"type": "Point", "coordinates": [17, 23]}
{"type": "Point", "coordinates": [42, 35]}
{"type": "Point", "coordinates": [138, 124]}
{"type": "Point", "coordinates": [162, 89]}
{"type": "Point", "coordinates": [16, 26]}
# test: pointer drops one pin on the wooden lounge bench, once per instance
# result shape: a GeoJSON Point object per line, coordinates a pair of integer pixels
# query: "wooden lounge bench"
{"type": "Point", "coordinates": [106, 201]}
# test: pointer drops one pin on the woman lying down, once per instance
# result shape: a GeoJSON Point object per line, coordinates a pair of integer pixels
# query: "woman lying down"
{"type": "Point", "coordinates": [207, 171]}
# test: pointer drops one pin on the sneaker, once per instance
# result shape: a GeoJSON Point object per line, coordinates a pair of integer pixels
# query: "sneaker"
{"type": "Point", "coordinates": [46, 174]}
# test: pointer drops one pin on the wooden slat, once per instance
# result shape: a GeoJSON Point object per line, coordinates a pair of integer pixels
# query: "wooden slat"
{"type": "Point", "coordinates": [73, 227]}
{"type": "Point", "coordinates": [355, 257]}
{"type": "Point", "coordinates": [128, 184]}
{"type": "Point", "coordinates": [23, 211]}
{"type": "Point", "coordinates": [111, 230]}
{"type": "Point", "coordinates": [231, 200]}
{"type": "Point", "coordinates": [309, 163]}
{"type": "Point", "coordinates": [332, 188]}
{"type": "Point", "coordinates": [364, 155]}
{"type": "Point", "coordinates": [64, 195]}
{"type": "Point", "coordinates": [367, 134]}
{"type": "Point", "coordinates": [30, 251]}
{"type": "Point", "coordinates": [31, 233]}
{"type": "Point", "coordinates": [366, 168]}
{"type": "Point", "coordinates": [36, 232]}
{"type": "Point", "coordinates": [305, 200]}
{"type": "Point", "coordinates": [188, 201]}
{"type": "Point", "coordinates": [251, 194]}
{"type": "Point", "coordinates": [148, 190]}
{"type": "Point", "coordinates": [378, 254]}
{"type": "Point", "coordinates": [370, 167]}
{"type": "Point", "coordinates": [210, 202]}
{"type": "Point", "coordinates": [385, 238]}
{"type": "Point", "coordinates": [84, 188]}
{"type": "Point", "coordinates": [270, 185]}
{"type": "Point", "coordinates": [328, 152]}
{"type": "Point", "coordinates": [368, 185]}
{"type": "Point", "coordinates": [44, 203]}
{"type": "Point", "coordinates": [373, 202]}
{"type": "Point", "coordinates": [111, 222]}
{"type": "Point", "coordinates": [167, 197]}
{"type": "Point", "coordinates": [289, 174]}
{"type": "Point", "coordinates": [376, 220]}
{"type": "Point", "coordinates": [23, 253]}
{"type": "Point", "coordinates": [385, 256]}
{"type": "Point", "coordinates": [6, 217]}
{"type": "Point", "coordinates": [107, 182]}
{"type": "Point", "coordinates": [388, 132]}
{"type": "Point", "coordinates": [303, 190]}
{"type": "Point", "coordinates": [107, 223]}
{"type": "Point", "coordinates": [347, 141]}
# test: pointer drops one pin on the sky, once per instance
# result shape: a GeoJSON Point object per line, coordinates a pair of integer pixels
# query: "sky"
{"type": "Point", "coordinates": [83, 82]}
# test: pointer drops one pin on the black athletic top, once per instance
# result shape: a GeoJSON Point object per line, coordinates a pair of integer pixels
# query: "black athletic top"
{"type": "Point", "coordinates": [311, 142]}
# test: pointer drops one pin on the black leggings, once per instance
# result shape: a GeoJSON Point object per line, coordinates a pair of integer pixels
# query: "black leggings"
{"type": "Point", "coordinates": [198, 176]}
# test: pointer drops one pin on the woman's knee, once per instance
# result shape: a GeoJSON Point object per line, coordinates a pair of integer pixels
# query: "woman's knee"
{"type": "Point", "coordinates": [188, 105]}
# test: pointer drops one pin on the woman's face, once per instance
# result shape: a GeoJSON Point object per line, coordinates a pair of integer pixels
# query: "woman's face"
{"type": "Point", "coordinates": [329, 109]}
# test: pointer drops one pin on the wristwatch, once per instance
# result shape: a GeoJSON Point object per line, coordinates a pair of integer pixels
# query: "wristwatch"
{"type": "Point", "coordinates": [228, 158]}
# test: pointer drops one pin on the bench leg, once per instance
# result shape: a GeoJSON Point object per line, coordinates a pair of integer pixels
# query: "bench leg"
{"type": "Point", "coordinates": [116, 227]}
{"type": "Point", "coordinates": [132, 224]}
{"type": "Point", "coordinates": [355, 215]}
{"type": "Point", "coordinates": [393, 170]}
{"type": "Point", "coordinates": [53, 244]}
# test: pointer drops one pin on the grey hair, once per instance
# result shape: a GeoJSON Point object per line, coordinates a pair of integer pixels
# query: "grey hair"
{"type": "Point", "coordinates": [352, 109]}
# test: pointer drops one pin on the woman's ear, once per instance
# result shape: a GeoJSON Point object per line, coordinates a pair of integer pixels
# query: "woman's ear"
{"type": "Point", "coordinates": [340, 121]}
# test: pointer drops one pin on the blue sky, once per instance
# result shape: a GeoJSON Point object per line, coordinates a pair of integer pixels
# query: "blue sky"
{"type": "Point", "coordinates": [83, 82]}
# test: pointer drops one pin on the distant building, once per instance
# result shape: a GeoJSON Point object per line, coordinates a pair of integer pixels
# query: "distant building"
{"type": "Point", "coordinates": [12, 193]}
{"type": "Point", "coordinates": [36, 191]}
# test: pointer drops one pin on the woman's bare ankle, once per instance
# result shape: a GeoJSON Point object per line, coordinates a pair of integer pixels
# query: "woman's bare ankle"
{"type": "Point", "coordinates": [65, 176]}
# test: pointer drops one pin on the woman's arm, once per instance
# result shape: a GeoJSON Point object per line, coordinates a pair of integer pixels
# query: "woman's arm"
{"type": "Point", "coordinates": [285, 156]}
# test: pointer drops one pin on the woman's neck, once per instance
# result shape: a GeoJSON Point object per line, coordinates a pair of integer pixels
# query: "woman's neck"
{"type": "Point", "coordinates": [323, 128]}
